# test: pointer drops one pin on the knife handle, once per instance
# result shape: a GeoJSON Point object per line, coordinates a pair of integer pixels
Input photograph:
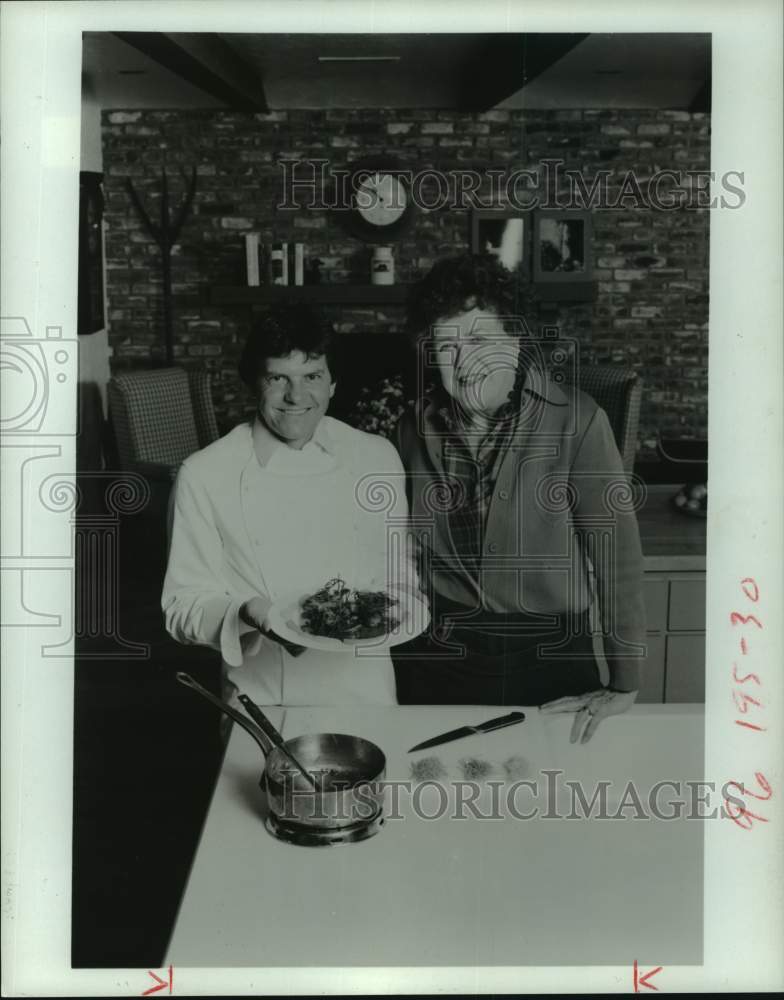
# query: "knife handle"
{"type": "Point", "coordinates": [500, 722]}
{"type": "Point", "coordinates": [292, 648]}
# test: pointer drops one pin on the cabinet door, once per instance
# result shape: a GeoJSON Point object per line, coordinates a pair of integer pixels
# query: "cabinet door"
{"type": "Point", "coordinates": [687, 605]}
{"type": "Point", "coordinates": [652, 683]}
{"type": "Point", "coordinates": [685, 672]}
{"type": "Point", "coordinates": [656, 593]}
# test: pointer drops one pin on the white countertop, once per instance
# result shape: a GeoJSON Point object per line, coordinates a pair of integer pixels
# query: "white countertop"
{"type": "Point", "coordinates": [459, 892]}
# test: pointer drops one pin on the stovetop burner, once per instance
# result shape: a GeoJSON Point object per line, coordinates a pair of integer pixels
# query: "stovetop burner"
{"type": "Point", "coordinates": [319, 836]}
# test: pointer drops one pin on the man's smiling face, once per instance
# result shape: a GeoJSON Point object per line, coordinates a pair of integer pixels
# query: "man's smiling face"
{"type": "Point", "coordinates": [477, 359]}
{"type": "Point", "coordinates": [294, 393]}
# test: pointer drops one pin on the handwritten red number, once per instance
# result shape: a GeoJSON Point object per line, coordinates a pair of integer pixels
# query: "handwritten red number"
{"type": "Point", "coordinates": [742, 680]}
{"type": "Point", "coordinates": [738, 619]}
{"type": "Point", "coordinates": [743, 814]}
{"type": "Point", "coordinates": [764, 784]}
{"type": "Point", "coordinates": [750, 725]}
{"type": "Point", "coordinates": [740, 815]}
{"type": "Point", "coordinates": [742, 706]}
{"type": "Point", "coordinates": [754, 596]}
{"type": "Point", "coordinates": [736, 811]}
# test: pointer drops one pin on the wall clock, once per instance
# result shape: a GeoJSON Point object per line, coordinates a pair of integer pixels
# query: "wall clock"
{"type": "Point", "coordinates": [376, 205]}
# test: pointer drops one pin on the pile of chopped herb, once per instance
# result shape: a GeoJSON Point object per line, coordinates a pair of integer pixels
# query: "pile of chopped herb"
{"type": "Point", "coordinates": [473, 768]}
{"type": "Point", "coordinates": [339, 612]}
{"type": "Point", "coordinates": [427, 769]}
{"type": "Point", "coordinates": [517, 767]}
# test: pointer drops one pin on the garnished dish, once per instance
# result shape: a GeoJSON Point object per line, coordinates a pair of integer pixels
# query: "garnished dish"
{"type": "Point", "coordinates": [339, 612]}
{"type": "Point", "coordinates": [337, 617]}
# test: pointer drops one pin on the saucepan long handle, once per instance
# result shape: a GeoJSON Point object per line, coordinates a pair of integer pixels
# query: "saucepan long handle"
{"type": "Point", "coordinates": [250, 727]}
{"type": "Point", "coordinates": [273, 735]}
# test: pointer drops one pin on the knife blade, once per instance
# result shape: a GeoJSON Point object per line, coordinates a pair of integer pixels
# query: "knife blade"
{"type": "Point", "coordinates": [484, 727]}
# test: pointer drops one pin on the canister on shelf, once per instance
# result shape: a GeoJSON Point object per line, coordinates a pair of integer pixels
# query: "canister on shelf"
{"type": "Point", "coordinates": [382, 266]}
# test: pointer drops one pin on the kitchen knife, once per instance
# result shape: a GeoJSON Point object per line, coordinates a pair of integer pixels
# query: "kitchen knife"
{"type": "Point", "coordinates": [459, 734]}
{"type": "Point", "coordinates": [292, 648]}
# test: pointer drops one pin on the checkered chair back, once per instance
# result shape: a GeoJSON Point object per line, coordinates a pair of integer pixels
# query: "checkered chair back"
{"type": "Point", "coordinates": [618, 391]}
{"type": "Point", "coordinates": [161, 416]}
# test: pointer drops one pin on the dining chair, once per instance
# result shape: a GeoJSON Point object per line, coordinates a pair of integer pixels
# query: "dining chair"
{"type": "Point", "coordinates": [160, 417]}
{"type": "Point", "coordinates": [618, 391]}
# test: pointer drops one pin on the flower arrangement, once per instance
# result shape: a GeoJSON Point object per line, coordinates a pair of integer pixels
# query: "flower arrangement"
{"type": "Point", "coordinates": [379, 408]}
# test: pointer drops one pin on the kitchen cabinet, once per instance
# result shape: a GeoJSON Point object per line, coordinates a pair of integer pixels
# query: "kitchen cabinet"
{"type": "Point", "coordinates": [674, 550]}
{"type": "Point", "coordinates": [675, 666]}
{"type": "Point", "coordinates": [674, 592]}
{"type": "Point", "coordinates": [653, 671]}
{"type": "Point", "coordinates": [685, 668]}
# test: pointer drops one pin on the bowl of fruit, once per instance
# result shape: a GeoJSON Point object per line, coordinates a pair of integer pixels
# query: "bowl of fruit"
{"type": "Point", "coordinates": [692, 499]}
{"type": "Point", "coordinates": [687, 459]}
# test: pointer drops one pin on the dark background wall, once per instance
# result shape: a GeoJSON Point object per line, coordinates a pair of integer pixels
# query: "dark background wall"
{"type": "Point", "coordinates": [651, 266]}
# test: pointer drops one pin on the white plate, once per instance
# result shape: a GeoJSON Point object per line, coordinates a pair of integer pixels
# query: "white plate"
{"type": "Point", "coordinates": [285, 621]}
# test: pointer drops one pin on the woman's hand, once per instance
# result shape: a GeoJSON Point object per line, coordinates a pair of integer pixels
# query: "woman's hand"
{"type": "Point", "coordinates": [590, 709]}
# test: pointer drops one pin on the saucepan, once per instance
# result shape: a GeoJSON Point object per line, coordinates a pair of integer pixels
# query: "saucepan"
{"type": "Point", "coordinates": [339, 797]}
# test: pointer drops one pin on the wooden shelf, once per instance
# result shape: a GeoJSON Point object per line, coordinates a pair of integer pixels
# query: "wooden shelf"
{"type": "Point", "coordinates": [241, 295]}
{"type": "Point", "coordinates": [329, 293]}
{"type": "Point", "coordinates": [568, 291]}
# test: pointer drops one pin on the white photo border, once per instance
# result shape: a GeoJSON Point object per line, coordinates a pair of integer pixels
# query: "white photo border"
{"type": "Point", "coordinates": [41, 64]}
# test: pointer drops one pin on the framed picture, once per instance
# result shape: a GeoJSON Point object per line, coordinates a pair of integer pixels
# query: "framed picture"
{"type": "Point", "coordinates": [504, 234]}
{"type": "Point", "coordinates": [563, 246]}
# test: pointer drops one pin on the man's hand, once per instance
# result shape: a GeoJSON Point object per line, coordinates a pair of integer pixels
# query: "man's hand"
{"type": "Point", "coordinates": [254, 613]}
{"type": "Point", "coordinates": [590, 709]}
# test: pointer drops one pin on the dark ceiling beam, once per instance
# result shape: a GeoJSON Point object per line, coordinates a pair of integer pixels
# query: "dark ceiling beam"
{"type": "Point", "coordinates": [504, 63]}
{"type": "Point", "coordinates": [701, 102]}
{"type": "Point", "coordinates": [206, 61]}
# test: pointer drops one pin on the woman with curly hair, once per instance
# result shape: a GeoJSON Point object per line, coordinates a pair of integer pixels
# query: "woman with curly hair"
{"type": "Point", "coordinates": [509, 476]}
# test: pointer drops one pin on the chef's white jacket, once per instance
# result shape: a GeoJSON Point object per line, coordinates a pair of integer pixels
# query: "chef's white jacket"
{"type": "Point", "coordinates": [255, 517]}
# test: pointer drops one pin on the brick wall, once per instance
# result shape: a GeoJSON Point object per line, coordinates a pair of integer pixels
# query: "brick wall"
{"type": "Point", "coordinates": [651, 266]}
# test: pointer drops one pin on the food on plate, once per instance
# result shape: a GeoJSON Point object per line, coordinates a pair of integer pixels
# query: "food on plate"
{"type": "Point", "coordinates": [339, 612]}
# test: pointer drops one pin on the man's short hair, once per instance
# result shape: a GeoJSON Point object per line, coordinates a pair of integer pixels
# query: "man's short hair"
{"type": "Point", "coordinates": [456, 284]}
{"type": "Point", "coordinates": [283, 330]}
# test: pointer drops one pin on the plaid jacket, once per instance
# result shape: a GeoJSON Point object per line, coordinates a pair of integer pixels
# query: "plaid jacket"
{"type": "Point", "coordinates": [560, 504]}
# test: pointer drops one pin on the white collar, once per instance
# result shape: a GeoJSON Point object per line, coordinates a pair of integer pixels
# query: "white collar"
{"type": "Point", "coordinates": [265, 443]}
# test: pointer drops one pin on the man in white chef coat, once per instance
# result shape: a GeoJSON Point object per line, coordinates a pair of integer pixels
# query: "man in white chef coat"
{"type": "Point", "coordinates": [272, 511]}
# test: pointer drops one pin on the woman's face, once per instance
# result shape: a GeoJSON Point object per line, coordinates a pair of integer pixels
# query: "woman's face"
{"type": "Point", "coordinates": [476, 358]}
